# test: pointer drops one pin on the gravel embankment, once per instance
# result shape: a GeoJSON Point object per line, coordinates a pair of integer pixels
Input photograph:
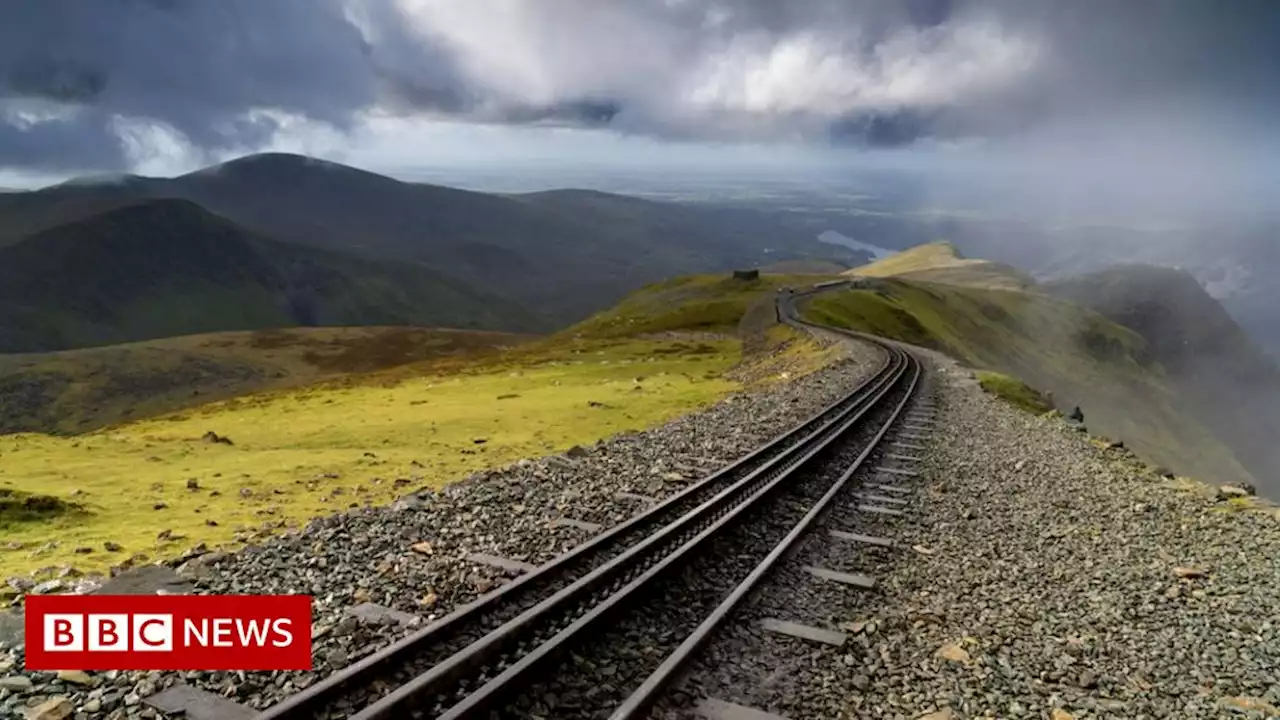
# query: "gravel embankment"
{"type": "Point", "coordinates": [1047, 578]}
{"type": "Point", "coordinates": [412, 556]}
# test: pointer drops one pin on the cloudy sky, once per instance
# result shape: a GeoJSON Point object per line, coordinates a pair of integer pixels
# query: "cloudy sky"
{"type": "Point", "coordinates": [163, 86]}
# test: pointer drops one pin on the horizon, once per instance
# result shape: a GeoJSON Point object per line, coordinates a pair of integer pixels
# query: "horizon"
{"type": "Point", "coordinates": [1055, 99]}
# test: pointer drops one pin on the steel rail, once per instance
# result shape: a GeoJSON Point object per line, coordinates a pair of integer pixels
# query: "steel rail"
{"type": "Point", "coordinates": [643, 698]}
{"type": "Point", "coordinates": [316, 699]}
{"type": "Point", "coordinates": [538, 634]}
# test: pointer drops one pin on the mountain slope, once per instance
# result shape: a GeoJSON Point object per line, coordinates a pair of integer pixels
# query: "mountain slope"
{"type": "Point", "coordinates": [169, 267]}
{"type": "Point", "coordinates": [76, 391]}
{"type": "Point", "coordinates": [473, 402]}
{"type": "Point", "coordinates": [1233, 386]}
{"type": "Point", "coordinates": [562, 254]}
{"type": "Point", "coordinates": [1078, 355]}
{"type": "Point", "coordinates": [941, 262]}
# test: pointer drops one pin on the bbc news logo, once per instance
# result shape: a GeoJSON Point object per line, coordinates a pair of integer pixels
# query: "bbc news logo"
{"type": "Point", "coordinates": [168, 632]}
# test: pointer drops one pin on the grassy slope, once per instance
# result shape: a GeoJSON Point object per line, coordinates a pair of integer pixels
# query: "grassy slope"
{"type": "Point", "coordinates": [294, 450]}
{"type": "Point", "coordinates": [1076, 354]}
{"type": "Point", "coordinates": [312, 450]}
{"type": "Point", "coordinates": [705, 303]}
{"type": "Point", "coordinates": [76, 391]}
{"type": "Point", "coordinates": [1014, 391]}
{"type": "Point", "coordinates": [1233, 386]}
{"type": "Point", "coordinates": [940, 262]}
{"type": "Point", "coordinates": [714, 305]}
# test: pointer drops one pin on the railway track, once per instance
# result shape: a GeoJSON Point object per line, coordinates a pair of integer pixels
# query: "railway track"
{"type": "Point", "coordinates": [477, 658]}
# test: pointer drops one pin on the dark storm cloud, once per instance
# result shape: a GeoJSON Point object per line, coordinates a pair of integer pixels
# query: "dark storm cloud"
{"type": "Point", "coordinates": [74, 143]}
{"type": "Point", "coordinates": [197, 67]}
{"type": "Point", "coordinates": [873, 72]}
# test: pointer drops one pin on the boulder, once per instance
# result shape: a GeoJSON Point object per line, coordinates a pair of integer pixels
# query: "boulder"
{"type": "Point", "coordinates": [146, 580]}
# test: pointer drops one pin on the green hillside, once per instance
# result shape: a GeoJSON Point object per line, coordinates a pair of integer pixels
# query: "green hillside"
{"type": "Point", "coordinates": [1080, 357]}
{"type": "Point", "coordinates": [168, 267]}
{"type": "Point", "coordinates": [1232, 384]}
{"type": "Point", "coordinates": [319, 420]}
{"type": "Point", "coordinates": [941, 262]}
{"type": "Point", "coordinates": [77, 391]}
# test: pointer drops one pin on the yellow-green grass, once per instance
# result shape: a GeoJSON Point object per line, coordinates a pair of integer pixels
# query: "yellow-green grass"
{"type": "Point", "coordinates": [293, 450]}
{"type": "Point", "coordinates": [1014, 391]}
{"type": "Point", "coordinates": [718, 306]}
{"type": "Point", "coordinates": [701, 303]}
{"type": "Point", "coordinates": [80, 390]}
{"type": "Point", "coordinates": [791, 353]}
{"type": "Point", "coordinates": [669, 349]}
{"type": "Point", "coordinates": [1073, 353]}
{"type": "Point", "coordinates": [940, 262]}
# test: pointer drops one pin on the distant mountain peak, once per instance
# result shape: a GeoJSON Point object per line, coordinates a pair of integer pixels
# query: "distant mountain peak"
{"type": "Point", "coordinates": [275, 164]}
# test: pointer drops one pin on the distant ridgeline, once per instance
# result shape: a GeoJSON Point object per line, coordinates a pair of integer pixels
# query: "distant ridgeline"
{"type": "Point", "coordinates": [282, 240]}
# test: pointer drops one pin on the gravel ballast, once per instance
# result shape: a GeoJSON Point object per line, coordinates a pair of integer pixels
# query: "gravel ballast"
{"type": "Point", "coordinates": [413, 555]}
{"type": "Point", "coordinates": [599, 674]}
{"type": "Point", "coordinates": [1043, 576]}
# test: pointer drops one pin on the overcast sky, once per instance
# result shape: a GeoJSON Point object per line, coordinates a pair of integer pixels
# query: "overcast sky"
{"type": "Point", "coordinates": [164, 86]}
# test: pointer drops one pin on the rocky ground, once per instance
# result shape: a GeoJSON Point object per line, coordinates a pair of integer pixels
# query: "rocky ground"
{"type": "Point", "coordinates": [412, 557]}
{"type": "Point", "coordinates": [1043, 576]}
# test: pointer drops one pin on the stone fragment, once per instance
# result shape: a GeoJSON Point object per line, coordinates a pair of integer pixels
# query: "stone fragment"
{"type": "Point", "coordinates": [76, 677]}
{"type": "Point", "coordinates": [1228, 492]}
{"type": "Point", "coordinates": [953, 652]}
{"type": "Point", "coordinates": [16, 683]}
{"type": "Point", "coordinates": [55, 708]}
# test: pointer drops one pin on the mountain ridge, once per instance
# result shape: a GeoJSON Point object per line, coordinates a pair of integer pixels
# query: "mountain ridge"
{"type": "Point", "coordinates": [1077, 345]}
{"type": "Point", "coordinates": [1227, 377]}
{"type": "Point", "coordinates": [159, 268]}
{"type": "Point", "coordinates": [560, 254]}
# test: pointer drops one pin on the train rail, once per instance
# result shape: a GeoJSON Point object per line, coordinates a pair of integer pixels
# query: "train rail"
{"type": "Point", "coordinates": [471, 661]}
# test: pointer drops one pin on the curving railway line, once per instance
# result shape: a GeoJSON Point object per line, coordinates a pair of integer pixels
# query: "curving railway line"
{"type": "Point", "coordinates": [500, 655]}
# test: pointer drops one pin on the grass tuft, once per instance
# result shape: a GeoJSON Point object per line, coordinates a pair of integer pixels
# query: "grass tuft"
{"type": "Point", "coordinates": [18, 507]}
{"type": "Point", "coordinates": [1015, 392]}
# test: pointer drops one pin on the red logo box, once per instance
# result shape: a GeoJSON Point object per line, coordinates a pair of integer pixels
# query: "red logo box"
{"type": "Point", "coordinates": [168, 632]}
